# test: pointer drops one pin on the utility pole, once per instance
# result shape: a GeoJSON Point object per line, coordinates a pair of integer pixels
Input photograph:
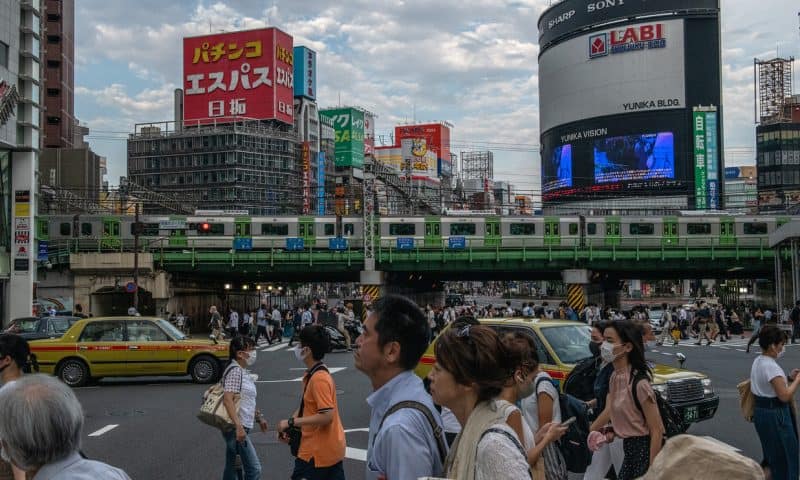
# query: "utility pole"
{"type": "Point", "coordinates": [136, 257]}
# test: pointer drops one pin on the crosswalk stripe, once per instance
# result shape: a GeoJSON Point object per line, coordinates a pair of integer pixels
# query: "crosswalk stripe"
{"type": "Point", "coordinates": [275, 348]}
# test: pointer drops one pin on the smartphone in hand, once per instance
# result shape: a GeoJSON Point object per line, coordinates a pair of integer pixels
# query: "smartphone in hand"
{"type": "Point", "coordinates": [568, 422]}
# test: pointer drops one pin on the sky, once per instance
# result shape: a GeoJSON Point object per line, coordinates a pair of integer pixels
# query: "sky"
{"type": "Point", "coordinates": [470, 62]}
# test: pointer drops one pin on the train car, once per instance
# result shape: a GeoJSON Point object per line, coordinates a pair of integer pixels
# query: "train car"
{"type": "Point", "coordinates": [392, 228]}
{"type": "Point", "coordinates": [522, 231]}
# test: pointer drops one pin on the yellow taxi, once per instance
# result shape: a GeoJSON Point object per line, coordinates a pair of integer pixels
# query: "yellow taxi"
{"type": "Point", "coordinates": [128, 346]}
{"type": "Point", "coordinates": [562, 344]}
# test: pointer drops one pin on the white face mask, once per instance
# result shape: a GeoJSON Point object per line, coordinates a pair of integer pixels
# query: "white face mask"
{"type": "Point", "coordinates": [607, 352]}
{"type": "Point", "coordinates": [251, 358]}
{"type": "Point", "coordinates": [298, 354]}
{"type": "Point", "coordinates": [782, 352]}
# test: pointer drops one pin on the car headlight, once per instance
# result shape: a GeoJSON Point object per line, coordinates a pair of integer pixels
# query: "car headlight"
{"type": "Point", "coordinates": [708, 390]}
{"type": "Point", "coordinates": [661, 389]}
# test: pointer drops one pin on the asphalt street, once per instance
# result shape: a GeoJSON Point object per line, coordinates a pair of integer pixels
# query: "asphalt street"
{"type": "Point", "coordinates": [147, 426]}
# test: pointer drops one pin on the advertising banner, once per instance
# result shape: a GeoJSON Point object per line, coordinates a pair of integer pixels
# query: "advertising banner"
{"type": "Point", "coordinates": [305, 72]}
{"type": "Point", "coordinates": [634, 157]}
{"type": "Point", "coordinates": [246, 74]}
{"type": "Point", "coordinates": [712, 160]}
{"type": "Point", "coordinates": [348, 126]}
{"type": "Point", "coordinates": [628, 69]}
{"type": "Point", "coordinates": [321, 183]}
{"type": "Point", "coordinates": [420, 158]}
{"type": "Point", "coordinates": [434, 138]}
{"type": "Point", "coordinates": [700, 173]}
{"type": "Point", "coordinates": [306, 178]}
{"type": "Point", "coordinates": [369, 134]}
{"type": "Point", "coordinates": [557, 169]}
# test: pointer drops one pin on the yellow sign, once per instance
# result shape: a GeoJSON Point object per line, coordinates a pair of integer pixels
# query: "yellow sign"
{"type": "Point", "coordinates": [22, 210]}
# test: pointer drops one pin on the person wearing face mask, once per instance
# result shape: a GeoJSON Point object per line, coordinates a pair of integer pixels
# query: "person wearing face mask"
{"type": "Point", "coordinates": [521, 351]}
{"type": "Point", "coordinates": [639, 427]}
{"type": "Point", "coordinates": [236, 379]}
{"type": "Point", "coordinates": [15, 358]}
{"type": "Point", "coordinates": [773, 418]}
{"type": "Point", "coordinates": [322, 445]}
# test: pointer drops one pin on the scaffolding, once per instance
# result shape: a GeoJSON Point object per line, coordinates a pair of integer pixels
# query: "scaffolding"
{"type": "Point", "coordinates": [773, 86]}
{"type": "Point", "coordinates": [477, 165]}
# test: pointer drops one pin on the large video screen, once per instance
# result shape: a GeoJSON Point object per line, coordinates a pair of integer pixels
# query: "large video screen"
{"type": "Point", "coordinates": [557, 170]}
{"type": "Point", "coordinates": [634, 158]}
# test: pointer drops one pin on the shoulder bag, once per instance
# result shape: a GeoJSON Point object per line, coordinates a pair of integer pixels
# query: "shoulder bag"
{"type": "Point", "coordinates": [295, 434]}
{"type": "Point", "coordinates": [212, 410]}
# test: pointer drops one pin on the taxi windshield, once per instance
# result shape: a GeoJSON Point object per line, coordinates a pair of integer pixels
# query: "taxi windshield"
{"type": "Point", "coordinates": [171, 330]}
{"type": "Point", "coordinates": [569, 342]}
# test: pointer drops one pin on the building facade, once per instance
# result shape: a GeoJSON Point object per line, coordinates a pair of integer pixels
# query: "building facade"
{"type": "Point", "coordinates": [20, 120]}
{"type": "Point", "coordinates": [241, 165]}
{"type": "Point", "coordinates": [741, 190]}
{"type": "Point", "coordinates": [778, 163]}
{"type": "Point", "coordinates": [59, 74]}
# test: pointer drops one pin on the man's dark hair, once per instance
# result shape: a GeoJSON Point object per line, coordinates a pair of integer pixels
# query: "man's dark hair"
{"type": "Point", "coordinates": [316, 339]}
{"type": "Point", "coordinates": [401, 320]}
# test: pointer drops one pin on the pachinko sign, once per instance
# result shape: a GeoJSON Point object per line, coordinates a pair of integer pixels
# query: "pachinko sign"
{"type": "Point", "coordinates": [248, 74]}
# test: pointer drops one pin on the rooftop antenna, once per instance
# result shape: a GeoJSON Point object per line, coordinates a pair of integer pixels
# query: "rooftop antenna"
{"type": "Point", "coordinates": [340, 98]}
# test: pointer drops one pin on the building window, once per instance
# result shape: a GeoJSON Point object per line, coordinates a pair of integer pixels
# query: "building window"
{"type": "Point", "coordinates": [53, 39]}
{"type": "Point", "coordinates": [53, 92]}
{"type": "Point", "coordinates": [3, 54]}
{"type": "Point", "coordinates": [53, 17]}
{"type": "Point", "coordinates": [53, 120]}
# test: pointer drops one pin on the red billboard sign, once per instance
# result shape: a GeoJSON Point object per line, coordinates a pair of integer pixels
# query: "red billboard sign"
{"type": "Point", "coordinates": [247, 74]}
{"type": "Point", "coordinates": [437, 140]}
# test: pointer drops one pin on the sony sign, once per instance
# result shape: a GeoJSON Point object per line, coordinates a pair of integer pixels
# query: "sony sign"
{"type": "Point", "coordinates": [603, 5]}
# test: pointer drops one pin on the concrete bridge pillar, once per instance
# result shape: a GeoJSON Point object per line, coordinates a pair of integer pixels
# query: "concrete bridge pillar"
{"type": "Point", "coordinates": [373, 283]}
{"type": "Point", "coordinates": [577, 283]}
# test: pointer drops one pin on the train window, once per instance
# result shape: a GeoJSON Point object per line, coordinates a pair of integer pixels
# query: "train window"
{"type": "Point", "coordinates": [402, 229]}
{"type": "Point", "coordinates": [755, 228]}
{"type": "Point", "coordinates": [209, 228]}
{"type": "Point", "coordinates": [612, 229]}
{"type": "Point", "coordinates": [573, 228]}
{"type": "Point", "coordinates": [641, 229]}
{"type": "Point", "coordinates": [330, 229]}
{"type": "Point", "coordinates": [698, 228]}
{"type": "Point", "coordinates": [65, 229]}
{"type": "Point", "coordinates": [148, 229]}
{"type": "Point", "coordinates": [242, 229]}
{"type": "Point", "coordinates": [591, 228]}
{"type": "Point", "coordinates": [550, 229]}
{"type": "Point", "coordinates": [349, 230]}
{"type": "Point", "coordinates": [86, 229]}
{"type": "Point", "coordinates": [278, 229]}
{"type": "Point", "coordinates": [523, 229]}
{"type": "Point", "coordinates": [462, 229]}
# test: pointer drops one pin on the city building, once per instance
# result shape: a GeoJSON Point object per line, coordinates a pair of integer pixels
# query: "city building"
{"type": "Point", "coordinates": [77, 169]}
{"type": "Point", "coordinates": [652, 147]}
{"type": "Point", "coordinates": [59, 74]}
{"type": "Point", "coordinates": [20, 141]}
{"type": "Point", "coordinates": [741, 190]}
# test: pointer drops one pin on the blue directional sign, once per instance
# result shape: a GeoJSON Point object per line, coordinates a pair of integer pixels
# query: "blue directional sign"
{"type": "Point", "coordinates": [242, 243]}
{"type": "Point", "coordinates": [405, 243]}
{"type": "Point", "coordinates": [457, 243]}
{"type": "Point", "coordinates": [295, 244]}
{"type": "Point", "coordinates": [44, 249]}
{"type": "Point", "coordinates": [337, 243]}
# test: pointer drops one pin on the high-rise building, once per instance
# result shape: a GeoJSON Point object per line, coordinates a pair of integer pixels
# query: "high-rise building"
{"type": "Point", "coordinates": [741, 190]}
{"type": "Point", "coordinates": [20, 120]}
{"type": "Point", "coordinates": [59, 73]}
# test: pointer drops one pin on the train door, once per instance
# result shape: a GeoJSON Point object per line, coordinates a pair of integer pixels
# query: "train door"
{"type": "Point", "coordinates": [177, 236]}
{"type": "Point", "coordinates": [613, 229]}
{"type": "Point", "coordinates": [670, 233]}
{"type": "Point", "coordinates": [42, 229]}
{"type": "Point", "coordinates": [241, 232]}
{"type": "Point", "coordinates": [727, 233]}
{"type": "Point", "coordinates": [552, 234]}
{"type": "Point", "coordinates": [111, 229]}
{"type": "Point", "coordinates": [306, 230]}
{"type": "Point", "coordinates": [492, 236]}
{"type": "Point", "coordinates": [433, 232]}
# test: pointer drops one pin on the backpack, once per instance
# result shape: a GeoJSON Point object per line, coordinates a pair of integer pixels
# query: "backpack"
{"type": "Point", "coordinates": [573, 445]}
{"type": "Point", "coordinates": [580, 381]}
{"type": "Point", "coordinates": [438, 432]}
{"type": "Point", "coordinates": [670, 416]}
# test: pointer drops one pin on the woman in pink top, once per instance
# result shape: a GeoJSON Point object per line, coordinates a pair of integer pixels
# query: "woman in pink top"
{"type": "Point", "coordinates": [641, 429]}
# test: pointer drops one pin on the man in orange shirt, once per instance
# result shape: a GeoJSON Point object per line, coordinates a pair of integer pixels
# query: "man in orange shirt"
{"type": "Point", "coordinates": [322, 445]}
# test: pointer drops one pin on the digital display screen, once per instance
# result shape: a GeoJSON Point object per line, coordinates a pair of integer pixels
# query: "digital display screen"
{"type": "Point", "coordinates": [634, 158]}
{"type": "Point", "coordinates": [557, 170]}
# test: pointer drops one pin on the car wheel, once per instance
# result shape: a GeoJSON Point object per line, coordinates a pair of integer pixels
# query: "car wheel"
{"type": "Point", "coordinates": [73, 372]}
{"type": "Point", "coordinates": [204, 369]}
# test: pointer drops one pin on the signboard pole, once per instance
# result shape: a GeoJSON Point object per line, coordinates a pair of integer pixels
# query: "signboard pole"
{"type": "Point", "coordinates": [136, 258]}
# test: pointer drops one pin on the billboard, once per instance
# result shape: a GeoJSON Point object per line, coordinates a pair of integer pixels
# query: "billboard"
{"type": "Point", "coordinates": [567, 17]}
{"type": "Point", "coordinates": [628, 69]}
{"type": "Point", "coordinates": [239, 74]}
{"type": "Point", "coordinates": [306, 178]}
{"type": "Point", "coordinates": [419, 159]}
{"type": "Point", "coordinates": [369, 134]}
{"type": "Point", "coordinates": [634, 157]}
{"type": "Point", "coordinates": [557, 169]}
{"type": "Point", "coordinates": [390, 156]}
{"type": "Point", "coordinates": [706, 159]}
{"type": "Point", "coordinates": [436, 138]}
{"type": "Point", "coordinates": [348, 126]}
{"type": "Point", "coordinates": [305, 72]}
{"type": "Point", "coordinates": [321, 183]}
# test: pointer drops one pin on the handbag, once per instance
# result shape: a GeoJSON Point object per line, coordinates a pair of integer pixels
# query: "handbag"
{"type": "Point", "coordinates": [212, 410]}
{"type": "Point", "coordinates": [747, 402]}
{"type": "Point", "coordinates": [295, 434]}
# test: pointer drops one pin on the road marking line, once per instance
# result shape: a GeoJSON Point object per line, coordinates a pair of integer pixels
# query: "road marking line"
{"type": "Point", "coordinates": [103, 430]}
{"type": "Point", "coordinates": [667, 354]}
{"type": "Point", "coordinates": [275, 348]}
{"type": "Point", "coordinates": [741, 349]}
{"type": "Point", "coordinates": [356, 454]}
{"type": "Point", "coordinates": [331, 370]}
{"type": "Point", "coordinates": [357, 430]}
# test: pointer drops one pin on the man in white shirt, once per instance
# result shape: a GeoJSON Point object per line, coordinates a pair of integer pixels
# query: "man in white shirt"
{"type": "Point", "coordinates": [274, 325]}
{"type": "Point", "coordinates": [261, 324]}
{"type": "Point", "coordinates": [308, 317]}
{"type": "Point", "coordinates": [233, 323]}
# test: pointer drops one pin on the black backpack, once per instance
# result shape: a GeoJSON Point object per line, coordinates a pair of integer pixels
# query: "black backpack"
{"type": "Point", "coordinates": [580, 382]}
{"type": "Point", "coordinates": [670, 416]}
{"type": "Point", "coordinates": [573, 445]}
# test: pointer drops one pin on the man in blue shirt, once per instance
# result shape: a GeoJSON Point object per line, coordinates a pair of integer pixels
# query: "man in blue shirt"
{"type": "Point", "coordinates": [405, 446]}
